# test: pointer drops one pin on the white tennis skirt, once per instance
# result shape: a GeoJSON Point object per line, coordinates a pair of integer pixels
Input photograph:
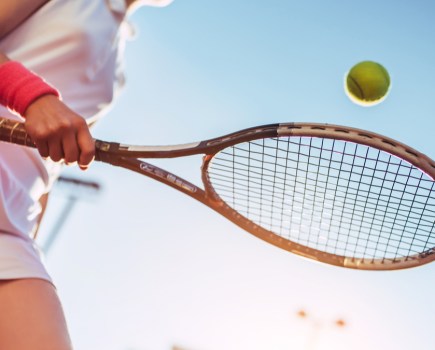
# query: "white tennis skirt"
{"type": "Point", "coordinates": [24, 178]}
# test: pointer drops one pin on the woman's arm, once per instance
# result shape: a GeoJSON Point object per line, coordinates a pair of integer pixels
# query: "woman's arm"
{"type": "Point", "coordinates": [3, 58]}
{"type": "Point", "coordinates": [12, 13]}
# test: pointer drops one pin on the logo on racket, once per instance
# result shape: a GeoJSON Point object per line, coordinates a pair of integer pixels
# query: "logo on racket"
{"type": "Point", "coordinates": [170, 177]}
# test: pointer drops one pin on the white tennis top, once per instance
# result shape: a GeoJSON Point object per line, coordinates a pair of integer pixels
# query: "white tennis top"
{"type": "Point", "coordinates": [73, 45]}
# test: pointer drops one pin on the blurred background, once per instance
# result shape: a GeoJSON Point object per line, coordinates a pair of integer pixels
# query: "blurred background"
{"type": "Point", "coordinates": [142, 267]}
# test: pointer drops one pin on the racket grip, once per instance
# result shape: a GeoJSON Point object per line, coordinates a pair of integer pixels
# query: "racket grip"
{"type": "Point", "coordinates": [13, 131]}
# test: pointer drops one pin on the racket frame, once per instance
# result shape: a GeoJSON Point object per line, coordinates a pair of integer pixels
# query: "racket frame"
{"type": "Point", "coordinates": [209, 197]}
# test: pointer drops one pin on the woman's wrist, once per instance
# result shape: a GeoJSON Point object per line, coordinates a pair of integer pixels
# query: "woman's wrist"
{"type": "Point", "coordinates": [19, 87]}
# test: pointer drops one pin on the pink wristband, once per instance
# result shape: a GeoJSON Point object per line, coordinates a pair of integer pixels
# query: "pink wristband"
{"type": "Point", "coordinates": [19, 87]}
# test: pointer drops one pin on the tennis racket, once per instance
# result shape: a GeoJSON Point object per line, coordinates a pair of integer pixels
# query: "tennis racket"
{"type": "Point", "coordinates": [338, 195]}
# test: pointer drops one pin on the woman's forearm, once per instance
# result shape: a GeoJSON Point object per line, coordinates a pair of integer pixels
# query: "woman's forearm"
{"type": "Point", "coordinates": [3, 58]}
{"type": "Point", "coordinates": [12, 13]}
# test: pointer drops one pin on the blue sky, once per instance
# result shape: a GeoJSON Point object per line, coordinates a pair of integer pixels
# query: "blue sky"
{"type": "Point", "coordinates": [142, 267]}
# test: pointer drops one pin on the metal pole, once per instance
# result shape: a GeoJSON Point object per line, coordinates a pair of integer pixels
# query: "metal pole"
{"type": "Point", "coordinates": [90, 186]}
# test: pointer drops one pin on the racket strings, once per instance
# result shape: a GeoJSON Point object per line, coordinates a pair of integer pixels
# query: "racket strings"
{"type": "Point", "coordinates": [335, 196]}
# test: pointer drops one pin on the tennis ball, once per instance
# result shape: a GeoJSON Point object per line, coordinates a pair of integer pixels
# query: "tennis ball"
{"type": "Point", "coordinates": [367, 83]}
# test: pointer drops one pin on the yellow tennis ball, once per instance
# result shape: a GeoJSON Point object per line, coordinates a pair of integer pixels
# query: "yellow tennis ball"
{"type": "Point", "coordinates": [367, 83]}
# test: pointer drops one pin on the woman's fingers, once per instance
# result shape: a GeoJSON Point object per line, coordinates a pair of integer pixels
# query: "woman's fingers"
{"type": "Point", "coordinates": [87, 147]}
{"type": "Point", "coordinates": [59, 133]}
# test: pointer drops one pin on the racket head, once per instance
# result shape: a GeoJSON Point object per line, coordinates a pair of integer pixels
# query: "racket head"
{"type": "Point", "coordinates": [338, 195]}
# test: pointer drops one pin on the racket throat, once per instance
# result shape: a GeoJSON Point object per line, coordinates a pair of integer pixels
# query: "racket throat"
{"type": "Point", "coordinates": [104, 152]}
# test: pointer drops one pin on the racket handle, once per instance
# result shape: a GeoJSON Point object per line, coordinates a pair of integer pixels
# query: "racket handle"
{"type": "Point", "coordinates": [14, 132]}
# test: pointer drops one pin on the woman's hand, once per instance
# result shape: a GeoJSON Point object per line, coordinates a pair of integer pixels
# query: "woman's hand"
{"type": "Point", "coordinates": [58, 132]}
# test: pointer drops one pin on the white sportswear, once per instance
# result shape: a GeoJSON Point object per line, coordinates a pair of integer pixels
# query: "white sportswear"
{"type": "Point", "coordinates": [76, 46]}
